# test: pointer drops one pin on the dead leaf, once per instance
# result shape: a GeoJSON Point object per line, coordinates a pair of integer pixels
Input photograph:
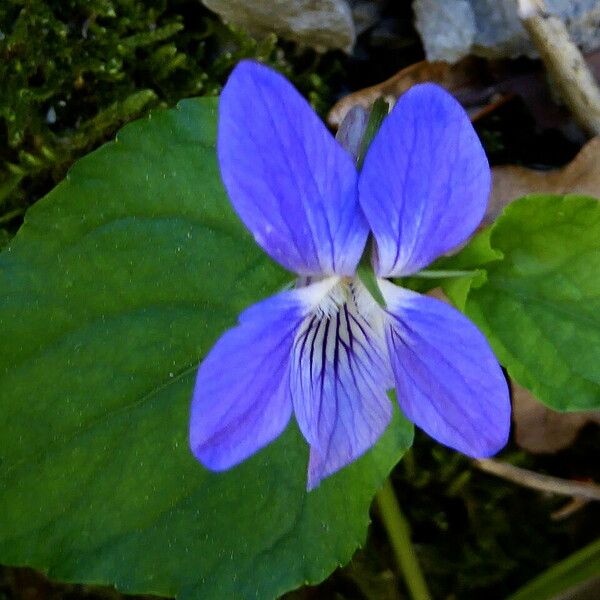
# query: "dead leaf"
{"type": "Point", "coordinates": [480, 86]}
{"type": "Point", "coordinates": [541, 430]}
{"type": "Point", "coordinates": [451, 77]}
{"type": "Point", "coordinates": [580, 176]}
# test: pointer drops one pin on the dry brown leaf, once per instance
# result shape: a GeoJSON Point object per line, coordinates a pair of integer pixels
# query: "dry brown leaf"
{"type": "Point", "coordinates": [479, 85]}
{"type": "Point", "coordinates": [580, 176]}
{"type": "Point", "coordinates": [452, 77]}
{"type": "Point", "coordinates": [541, 430]}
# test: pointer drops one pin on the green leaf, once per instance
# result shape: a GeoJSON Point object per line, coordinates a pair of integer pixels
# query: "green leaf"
{"type": "Point", "coordinates": [564, 576]}
{"type": "Point", "coordinates": [117, 285]}
{"type": "Point", "coordinates": [474, 257]}
{"type": "Point", "coordinates": [540, 305]}
{"type": "Point", "coordinates": [456, 274]}
{"type": "Point", "coordinates": [4, 238]}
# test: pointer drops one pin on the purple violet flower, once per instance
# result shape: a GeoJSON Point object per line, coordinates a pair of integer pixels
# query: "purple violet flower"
{"type": "Point", "coordinates": [326, 350]}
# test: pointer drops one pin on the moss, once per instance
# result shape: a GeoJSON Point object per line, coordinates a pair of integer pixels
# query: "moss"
{"type": "Point", "coordinates": [74, 71]}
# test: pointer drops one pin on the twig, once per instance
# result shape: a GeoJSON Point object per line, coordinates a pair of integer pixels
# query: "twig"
{"type": "Point", "coordinates": [564, 62]}
{"type": "Point", "coordinates": [570, 508]}
{"type": "Point", "coordinates": [398, 532]}
{"type": "Point", "coordinates": [537, 481]}
{"type": "Point", "coordinates": [10, 215]}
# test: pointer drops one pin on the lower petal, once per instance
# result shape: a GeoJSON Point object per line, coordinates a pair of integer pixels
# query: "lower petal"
{"type": "Point", "coordinates": [241, 400]}
{"type": "Point", "coordinates": [448, 380]}
{"type": "Point", "coordinates": [338, 377]}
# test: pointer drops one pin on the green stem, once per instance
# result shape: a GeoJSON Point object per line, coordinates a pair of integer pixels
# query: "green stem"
{"type": "Point", "coordinates": [398, 531]}
{"type": "Point", "coordinates": [434, 274]}
{"type": "Point", "coordinates": [379, 111]}
{"type": "Point", "coordinates": [367, 276]}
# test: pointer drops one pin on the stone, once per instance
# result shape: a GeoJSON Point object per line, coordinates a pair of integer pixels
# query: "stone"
{"type": "Point", "coordinates": [365, 14]}
{"type": "Point", "coordinates": [453, 29]}
{"type": "Point", "coordinates": [320, 24]}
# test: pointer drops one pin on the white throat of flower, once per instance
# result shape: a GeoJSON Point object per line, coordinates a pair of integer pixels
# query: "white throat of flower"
{"type": "Point", "coordinates": [344, 325]}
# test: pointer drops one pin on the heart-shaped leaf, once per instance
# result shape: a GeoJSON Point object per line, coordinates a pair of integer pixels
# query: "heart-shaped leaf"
{"type": "Point", "coordinates": [119, 282]}
{"type": "Point", "coordinates": [540, 304]}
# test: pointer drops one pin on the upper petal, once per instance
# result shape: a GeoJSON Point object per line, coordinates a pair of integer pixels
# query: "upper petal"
{"type": "Point", "coordinates": [425, 181]}
{"type": "Point", "coordinates": [292, 184]}
{"type": "Point", "coordinates": [448, 380]}
{"type": "Point", "coordinates": [338, 377]}
{"type": "Point", "coordinates": [241, 399]}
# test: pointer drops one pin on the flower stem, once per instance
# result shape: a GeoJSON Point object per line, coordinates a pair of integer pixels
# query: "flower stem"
{"type": "Point", "coordinates": [366, 274]}
{"type": "Point", "coordinates": [398, 531]}
{"type": "Point", "coordinates": [379, 110]}
{"type": "Point", "coordinates": [435, 274]}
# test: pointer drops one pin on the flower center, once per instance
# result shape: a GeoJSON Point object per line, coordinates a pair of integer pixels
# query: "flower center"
{"type": "Point", "coordinates": [343, 318]}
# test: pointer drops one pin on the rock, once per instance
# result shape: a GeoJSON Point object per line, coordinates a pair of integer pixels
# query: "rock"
{"type": "Point", "coordinates": [453, 29]}
{"type": "Point", "coordinates": [320, 24]}
{"type": "Point", "coordinates": [447, 28]}
{"type": "Point", "coordinates": [365, 14]}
